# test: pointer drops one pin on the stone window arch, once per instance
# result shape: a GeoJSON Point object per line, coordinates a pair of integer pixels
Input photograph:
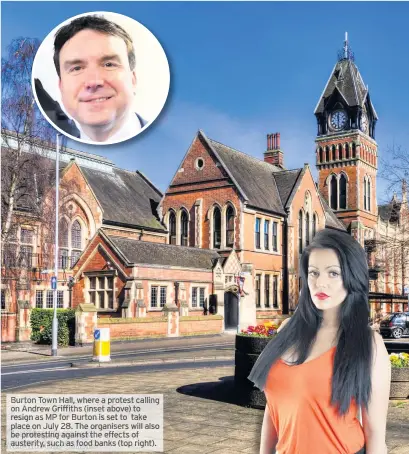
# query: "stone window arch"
{"type": "Point", "coordinates": [342, 192]}
{"type": "Point", "coordinates": [184, 228]}
{"type": "Point", "coordinates": [172, 227]}
{"type": "Point", "coordinates": [230, 226]}
{"type": "Point", "coordinates": [333, 188]}
{"type": "Point", "coordinates": [217, 227]}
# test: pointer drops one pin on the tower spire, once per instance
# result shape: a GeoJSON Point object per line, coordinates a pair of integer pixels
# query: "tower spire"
{"type": "Point", "coordinates": [346, 53]}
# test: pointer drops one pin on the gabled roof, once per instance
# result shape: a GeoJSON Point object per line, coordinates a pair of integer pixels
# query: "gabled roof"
{"type": "Point", "coordinates": [126, 198]}
{"type": "Point", "coordinates": [347, 80]}
{"type": "Point", "coordinates": [287, 182]}
{"type": "Point", "coordinates": [253, 177]}
{"type": "Point", "coordinates": [145, 252]}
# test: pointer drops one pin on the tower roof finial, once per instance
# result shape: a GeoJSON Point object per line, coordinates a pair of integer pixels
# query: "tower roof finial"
{"type": "Point", "coordinates": [346, 53]}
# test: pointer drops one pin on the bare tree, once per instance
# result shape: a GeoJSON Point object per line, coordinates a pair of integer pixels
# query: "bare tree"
{"type": "Point", "coordinates": [27, 166]}
{"type": "Point", "coordinates": [395, 168]}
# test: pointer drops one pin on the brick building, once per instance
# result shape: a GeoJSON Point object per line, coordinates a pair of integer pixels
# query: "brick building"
{"type": "Point", "coordinates": [130, 250]}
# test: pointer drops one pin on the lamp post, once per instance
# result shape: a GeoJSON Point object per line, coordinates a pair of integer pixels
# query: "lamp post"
{"type": "Point", "coordinates": [55, 281]}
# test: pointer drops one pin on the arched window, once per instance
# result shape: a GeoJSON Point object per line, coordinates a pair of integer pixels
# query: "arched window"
{"type": "Point", "coordinates": [342, 192]}
{"type": "Point", "coordinates": [217, 228]}
{"type": "Point", "coordinates": [172, 228]}
{"type": "Point", "coordinates": [365, 195]}
{"type": "Point", "coordinates": [334, 192]}
{"type": "Point", "coordinates": [327, 159]}
{"type": "Point", "coordinates": [314, 225]}
{"type": "Point", "coordinates": [76, 242]}
{"type": "Point", "coordinates": [340, 154]}
{"type": "Point", "coordinates": [230, 227]}
{"type": "Point", "coordinates": [307, 229]}
{"type": "Point", "coordinates": [300, 227]}
{"type": "Point", "coordinates": [321, 155]}
{"type": "Point", "coordinates": [347, 151]}
{"type": "Point", "coordinates": [354, 150]}
{"type": "Point", "coordinates": [369, 195]}
{"type": "Point", "coordinates": [333, 153]}
{"type": "Point", "coordinates": [184, 228]}
{"type": "Point", "coordinates": [63, 244]}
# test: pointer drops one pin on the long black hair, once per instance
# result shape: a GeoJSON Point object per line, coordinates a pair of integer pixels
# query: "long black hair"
{"type": "Point", "coordinates": [352, 363]}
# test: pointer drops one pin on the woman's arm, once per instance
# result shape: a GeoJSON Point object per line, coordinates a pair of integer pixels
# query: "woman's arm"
{"type": "Point", "coordinates": [269, 436]}
{"type": "Point", "coordinates": [374, 420]}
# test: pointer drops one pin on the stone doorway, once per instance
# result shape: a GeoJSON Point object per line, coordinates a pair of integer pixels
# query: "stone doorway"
{"type": "Point", "coordinates": [231, 311]}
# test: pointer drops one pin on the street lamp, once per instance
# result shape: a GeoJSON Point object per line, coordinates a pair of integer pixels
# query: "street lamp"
{"type": "Point", "coordinates": [55, 280]}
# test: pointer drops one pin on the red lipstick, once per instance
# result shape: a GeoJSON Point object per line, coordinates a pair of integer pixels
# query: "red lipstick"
{"type": "Point", "coordinates": [321, 296]}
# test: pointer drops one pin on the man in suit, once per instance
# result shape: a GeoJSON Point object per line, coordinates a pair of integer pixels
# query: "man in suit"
{"type": "Point", "coordinates": [95, 63]}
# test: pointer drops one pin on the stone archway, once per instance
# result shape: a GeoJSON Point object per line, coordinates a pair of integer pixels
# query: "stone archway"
{"type": "Point", "coordinates": [231, 310]}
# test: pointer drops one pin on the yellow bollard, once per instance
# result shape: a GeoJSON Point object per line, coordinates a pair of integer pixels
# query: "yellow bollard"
{"type": "Point", "coordinates": [102, 345]}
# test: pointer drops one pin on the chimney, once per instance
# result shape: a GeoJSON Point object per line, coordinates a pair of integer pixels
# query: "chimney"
{"type": "Point", "coordinates": [274, 155]}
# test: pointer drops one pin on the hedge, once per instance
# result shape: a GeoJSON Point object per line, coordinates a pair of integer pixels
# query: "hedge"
{"type": "Point", "coordinates": [41, 326]}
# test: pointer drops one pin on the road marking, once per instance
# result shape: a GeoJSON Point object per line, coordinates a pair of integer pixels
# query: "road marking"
{"type": "Point", "coordinates": [119, 354]}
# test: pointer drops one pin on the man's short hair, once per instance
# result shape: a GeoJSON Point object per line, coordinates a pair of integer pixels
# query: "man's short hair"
{"type": "Point", "coordinates": [96, 23]}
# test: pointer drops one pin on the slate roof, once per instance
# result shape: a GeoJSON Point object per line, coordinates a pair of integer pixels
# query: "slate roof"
{"type": "Point", "coordinates": [286, 181]}
{"type": "Point", "coordinates": [389, 212]}
{"type": "Point", "coordinates": [125, 197]}
{"type": "Point", "coordinates": [348, 80]}
{"type": "Point", "coordinates": [255, 177]}
{"type": "Point", "coordinates": [145, 252]}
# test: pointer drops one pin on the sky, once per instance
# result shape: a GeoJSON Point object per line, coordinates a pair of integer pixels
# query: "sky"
{"type": "Point", "coordinates": [242, 70]}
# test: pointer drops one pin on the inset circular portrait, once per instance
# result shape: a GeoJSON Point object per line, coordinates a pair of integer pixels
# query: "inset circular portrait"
{"type": "Point", "coordinates": [100, 78]}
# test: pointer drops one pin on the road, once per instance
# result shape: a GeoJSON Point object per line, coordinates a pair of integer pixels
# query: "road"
{"type": "Point", "coordinates": [15, 376]}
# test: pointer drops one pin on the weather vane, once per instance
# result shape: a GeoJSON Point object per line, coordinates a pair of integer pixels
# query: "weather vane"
{"type": "Point", "coordinates": [346, 53]}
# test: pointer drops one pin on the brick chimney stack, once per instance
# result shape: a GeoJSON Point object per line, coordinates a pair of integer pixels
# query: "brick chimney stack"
{"type": "Point", "coordinates": [274, 155]}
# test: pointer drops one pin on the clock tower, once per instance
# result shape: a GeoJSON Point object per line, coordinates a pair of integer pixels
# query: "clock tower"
{"type": "Point", "coordinates": [346, 150]}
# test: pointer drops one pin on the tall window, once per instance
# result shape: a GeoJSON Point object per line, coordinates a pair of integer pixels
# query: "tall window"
{"type": "Point", "coordinates": [158, 296]}
{"type": "Point", "coordinates": [266, 234]}
{"type": "Point", "coordinates": [257, 233]}
{"type": "Point", "coordinates": [217, 228]}
{"type": "Point", "coordinates": [340, 154]}
{"type": "Point", "coordinates": [49, 299]}
{"type": "Point", "coordinates": [76, 241]}
{"type": "Point", "coordinates": [353, 150]}
{"type": "Point", "coordinates": [307, 229]}
{"type": "Point", "coordinates": [347, 155]}
{"type": "Point", "coordinates": [3, 300]}
{"type": "Point", "coordinates": [314, 225]}
{"type": "Point", "coordinates": [184, 229]}
{"type": "Point", "coordinates": [267, 290]}
{"type": "Point", "coordinates": [258, 279]}
{"type": "Point", "coordinates": [172, 228]}
{"type": "Point", "coordinates": [365, 195]}
{"type": "Point", "coordinates": [198, 296]}
{"type": "Point", "coordinates": [342, 192]}
{"type": "Point", "coordinates": [229, 227]}
{"type": "Point", "coordinates": [26, 248]}
{"type": "Point", "coordinates": [334, 192]}
{"type": "Point", "coordinates": [275, 291]}
{"type": "Point", "coordinates": [369, 195]}
{"type": "Point", "coordinates": [275, 236]}
{"type": "Point", "coordinates": [327, 158]}
{"type": "Point", "coordinates": [300, 236]}
{"type": "Point", "coordinates": [333, 152]}
{"type": "Point", "coordinates": [70, 243]}
{"type": "Point", "coordinates": [321, 154]}
{"type": "Point", "coordinates": [101, 291]}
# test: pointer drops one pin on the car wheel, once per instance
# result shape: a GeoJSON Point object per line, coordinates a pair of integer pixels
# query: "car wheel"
{"type": "Point", "coordinates": [397, 333]}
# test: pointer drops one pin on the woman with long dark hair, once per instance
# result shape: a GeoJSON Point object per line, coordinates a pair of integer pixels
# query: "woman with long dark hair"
{"type": "Point", "coordinates": [326, 364]}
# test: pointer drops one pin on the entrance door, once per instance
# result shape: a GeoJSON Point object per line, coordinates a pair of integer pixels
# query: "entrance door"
{"type": "Point", "coordinates": [231, 310]}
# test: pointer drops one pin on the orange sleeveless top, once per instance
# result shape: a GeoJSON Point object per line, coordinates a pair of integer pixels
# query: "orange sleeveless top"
{"type": "Point", "coordinates": [299, 401]}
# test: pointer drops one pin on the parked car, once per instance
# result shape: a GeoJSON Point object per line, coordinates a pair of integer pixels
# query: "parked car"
{"type": "Point", "coordinates": [395, 325]}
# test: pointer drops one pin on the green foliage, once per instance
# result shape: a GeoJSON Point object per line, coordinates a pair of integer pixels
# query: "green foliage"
{"type": "Point", "coordinates": [41, 326]}
{"type": "Point", "coordinates": [399, 359]}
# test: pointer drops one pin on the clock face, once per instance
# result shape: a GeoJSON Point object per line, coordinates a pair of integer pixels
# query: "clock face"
{"type": "Point", "coordinates": [364, 122]}
{"type": "Point", "coordinates": [338, 120]}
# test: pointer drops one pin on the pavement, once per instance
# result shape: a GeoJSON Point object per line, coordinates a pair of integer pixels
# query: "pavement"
{"type": "Point", "coordinates": [200, 415]}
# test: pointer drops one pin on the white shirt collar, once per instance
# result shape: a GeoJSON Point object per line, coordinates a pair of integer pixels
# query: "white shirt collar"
{"type": "Point", "coordinates": [129, 129]}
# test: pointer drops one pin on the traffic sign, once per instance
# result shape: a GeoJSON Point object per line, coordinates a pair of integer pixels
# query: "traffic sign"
{"type": "Point", "coordinates": [97, 334]}
{"type": "Point", "coordinates": [54, 282]}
